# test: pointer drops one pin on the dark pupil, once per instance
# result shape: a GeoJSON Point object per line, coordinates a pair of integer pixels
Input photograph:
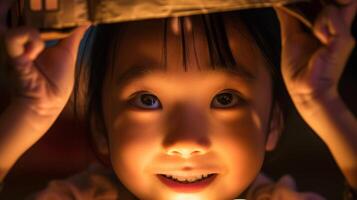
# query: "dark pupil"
{"type": "Point", "coordinates": [225, 98]}
{"type": "Point", "coordinates": [148, 100]}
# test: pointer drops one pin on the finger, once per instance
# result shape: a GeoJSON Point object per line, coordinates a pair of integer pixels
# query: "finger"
{"type": "Point", "coordinates": [342, 42]}
{"type": "Point", "coordinates": [67, 49]}
{"type": "Point", "coordinates": [320, 28]}
{"type": "Point", "coordinates": [349, 12]}
{"type": "Point", "coordinates": [286, 181]}
{"type": "Point", "coordinates": [72, 42]}
{"type": "Point", "coordinates": [289, 25]}
{"type": "Point", "coordinates": [34, 48]}
{"type": "Point", "coordinates": [337, 38]}
{"type": "Point", "coordinates": [261, 187]}
{"type": "Point", "coordinates": [329, 24]}
{"type": "Point", "coordinates": [283, 192]}
{"type": "Point", "coordinates": [23, 46]}
{"type": "Point", "coordinates": [16, 40]}
{"type": "Point", "coordinates": [332, 59]}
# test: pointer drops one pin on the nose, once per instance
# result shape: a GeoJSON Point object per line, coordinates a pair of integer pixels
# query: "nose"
{"type": "Point", "coordinates": [187, 149]}
{"type": "Point", "coordinates": [187, 132]}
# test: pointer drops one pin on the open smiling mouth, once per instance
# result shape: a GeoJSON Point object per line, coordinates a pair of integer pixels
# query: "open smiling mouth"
{"type": "Point", "coordinates": [187, 184]}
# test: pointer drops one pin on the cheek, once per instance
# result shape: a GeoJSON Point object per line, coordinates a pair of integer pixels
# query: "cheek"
{"type": "Point", "coordinates": [247, 142]}
{"type": "Point", "coordinates": [134, 141]}
{"type": "Point", "coordinates": [240, 141]}
{"type": "Point", "coordinates": [245, 127]}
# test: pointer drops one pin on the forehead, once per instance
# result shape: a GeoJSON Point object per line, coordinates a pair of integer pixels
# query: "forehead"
{"type": "Point", "coordinates": [182, 44]}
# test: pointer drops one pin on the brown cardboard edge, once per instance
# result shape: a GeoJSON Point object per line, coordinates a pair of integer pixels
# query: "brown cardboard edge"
{"type": "Point", "coordinates": [293, 11]}
{"type": "Point", "coordinates": [53, 35]}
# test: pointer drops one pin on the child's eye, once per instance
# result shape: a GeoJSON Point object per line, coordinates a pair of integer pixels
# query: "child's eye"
{"type": "Point", "coordinates": [145, 101]}
{"type": "Point", "coordinates": [226, 99]}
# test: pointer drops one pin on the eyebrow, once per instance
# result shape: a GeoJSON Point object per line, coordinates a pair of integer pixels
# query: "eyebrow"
{"type": "Point", "coordinates": [138, 71]}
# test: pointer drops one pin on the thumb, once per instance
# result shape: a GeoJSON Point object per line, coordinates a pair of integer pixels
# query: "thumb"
{"type": "Point", "coordinates": [72, 42]}
{"type": "Point", "coordinates": [289, 25]}
{"type": "Point", "coordinates": [65, 56]}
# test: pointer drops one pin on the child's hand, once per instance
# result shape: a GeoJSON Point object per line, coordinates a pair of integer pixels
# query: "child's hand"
{"type": "Point", "coordinates": [45, 76]}
{"type": "Point", "coordinates": [312, 64]}
{"type": "Point", "coordinates": [284, 188]}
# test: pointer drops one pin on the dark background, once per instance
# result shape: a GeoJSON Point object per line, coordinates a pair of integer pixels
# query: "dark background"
{"type": "Point", "coordinates": [65, 150]}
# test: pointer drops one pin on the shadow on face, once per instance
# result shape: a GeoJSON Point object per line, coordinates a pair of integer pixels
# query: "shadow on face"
{"type": "Point", "coordinates": [187, 103]}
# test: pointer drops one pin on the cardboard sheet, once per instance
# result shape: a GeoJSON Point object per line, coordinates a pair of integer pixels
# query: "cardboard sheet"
{"type": "Point", "coordinates": [72, 13]}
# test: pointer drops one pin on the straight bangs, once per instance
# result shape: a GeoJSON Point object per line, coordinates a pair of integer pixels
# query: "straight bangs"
{"type": "Point", "coordinates": [97, 53]}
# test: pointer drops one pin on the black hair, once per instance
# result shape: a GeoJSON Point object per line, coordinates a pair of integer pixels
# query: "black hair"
{"type": "Point", "coordinates": [262, 24]}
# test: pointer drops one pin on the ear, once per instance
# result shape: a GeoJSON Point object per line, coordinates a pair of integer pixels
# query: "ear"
{"type": "Point", "coordinates": [276, 127]}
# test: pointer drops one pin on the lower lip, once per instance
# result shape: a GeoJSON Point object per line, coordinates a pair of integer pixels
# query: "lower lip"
{"type": "Point", "coordinates": [186, 187]}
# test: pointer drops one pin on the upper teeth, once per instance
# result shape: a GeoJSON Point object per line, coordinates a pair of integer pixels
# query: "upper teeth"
{"type": "Point", "coordinates": [187, 178]}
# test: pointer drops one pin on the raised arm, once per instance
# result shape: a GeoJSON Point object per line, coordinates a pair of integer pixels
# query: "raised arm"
{"type": "Point", "coordinates": [45, 80]}
{"type": "Point", "coordinates": [312, 64]}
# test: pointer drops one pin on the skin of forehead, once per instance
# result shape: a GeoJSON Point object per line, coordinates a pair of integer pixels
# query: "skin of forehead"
{"type": "Point", "coordinates": [148, 52]}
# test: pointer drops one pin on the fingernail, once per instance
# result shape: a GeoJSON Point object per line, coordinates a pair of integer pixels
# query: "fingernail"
{"type": "Point", "coordinates": [325, 35]}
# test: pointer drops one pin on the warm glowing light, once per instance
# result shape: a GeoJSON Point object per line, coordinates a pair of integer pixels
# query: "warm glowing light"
{"type": "Point", "coordinates": [51, 4]}
{"type": "Point", "coordinates": [36, 5]}
{"type": "Point", "coordinates": [186, 197]}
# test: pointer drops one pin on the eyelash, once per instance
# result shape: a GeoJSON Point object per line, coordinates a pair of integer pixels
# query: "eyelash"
{"type": "Point", "coordinates": [235, 96]}
{"type": "Point", "coordinates": [137, 99]}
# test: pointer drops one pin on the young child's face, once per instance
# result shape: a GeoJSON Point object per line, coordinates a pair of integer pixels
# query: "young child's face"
{"type": "Point", "coordinates": [186, 122]}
